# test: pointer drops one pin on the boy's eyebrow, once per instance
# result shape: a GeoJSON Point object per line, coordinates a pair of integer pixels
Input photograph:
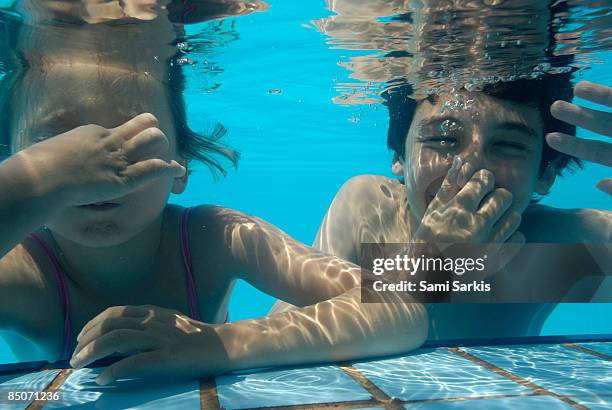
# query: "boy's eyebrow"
{"type": "Point", "coordinates": [518, 127]}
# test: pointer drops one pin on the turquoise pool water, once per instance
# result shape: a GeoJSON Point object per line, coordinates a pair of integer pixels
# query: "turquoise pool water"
{"type": "Point", "coordinates": [271, 79]}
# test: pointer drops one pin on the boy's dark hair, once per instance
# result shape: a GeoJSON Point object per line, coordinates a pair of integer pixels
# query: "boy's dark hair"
{"type": "Point", "coordinates": [538, 93]}
{"type": "Point", "coordinates": [191, 145]}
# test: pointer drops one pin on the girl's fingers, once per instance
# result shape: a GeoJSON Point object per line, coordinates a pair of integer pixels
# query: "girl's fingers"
{"type": "Point", "coordinates": [113, 323]}
{"type": "Point", "coordinates": [597, 93]}
{"type": "Point", "coordinates": [115, 311]}
{"type": "Point", "coordinates": [124, 341]}
{"type": "Point", "coordinates": [596, 121]}
{"type": "Point", "coordinates": [588, 150]}
{"type": "Point", "coordinates": [137, 124]}
{"type": "Point", "coordinates": [136, 366]}
{"type": "Point", "coordinates": [605, 185]}
{"type": "Point", "coordinates": [150, 169]}
{"type": "Point", "coordinates": [494, 205]}
{"type": "Point", "coordinates": [449, 187]}
{"type": "Point", "coordinates": [147, 144]}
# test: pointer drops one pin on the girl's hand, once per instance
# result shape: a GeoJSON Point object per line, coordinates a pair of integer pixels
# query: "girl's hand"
{"type": "Point", "coordinates": [159, 343]}
{"type": "Point", "coordinates": [468, 209]}
{"type": "Point", "coordinates": [177, 11]}
{"type": "Point", "coordinates": [92, 164]}
{"type": "Point", "coordinates": [597, 121]}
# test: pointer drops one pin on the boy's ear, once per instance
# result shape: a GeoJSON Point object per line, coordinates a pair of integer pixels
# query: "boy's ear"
{"type": "Point", "coordinates": [546, 179]}
{"type": "Point", "coordinates": [179, 184]}
{"type": "Point", "coordinates": [397, 166]}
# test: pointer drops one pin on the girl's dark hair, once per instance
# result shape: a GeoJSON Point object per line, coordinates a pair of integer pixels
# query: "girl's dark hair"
{"type": "Point", "coordinates": [192, 145]}
{"type": "Point", "coordinates": [538, 93]}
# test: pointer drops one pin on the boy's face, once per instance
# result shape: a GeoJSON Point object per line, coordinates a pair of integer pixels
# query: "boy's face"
{"type": "Point", "coordinates": [501, 136]}
{"type": "Point", "coordinates": [60, 98]}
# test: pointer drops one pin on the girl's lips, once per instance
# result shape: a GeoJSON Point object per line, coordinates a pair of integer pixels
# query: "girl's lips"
{"type": "Point", "coordinates": [100, 206]}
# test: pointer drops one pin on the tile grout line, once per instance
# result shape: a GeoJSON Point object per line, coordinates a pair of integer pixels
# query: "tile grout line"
{"type": "Point", "coordinates": [209, 399]}
{"type": "Point", "coordinates": [375, 391]}
{"type": "Point", "coordinates": [588, 351]}
{"type": "Point", "coordinates": [338, 405]}
{"type": "Point", "coordinates": [52, 387]}
{"type": "Point", "coordinates": [515, 378]}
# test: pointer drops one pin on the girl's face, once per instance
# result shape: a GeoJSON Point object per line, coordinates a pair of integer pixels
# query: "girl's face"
{"type": "Point", "coordinates": [489, 133]}
{"type": "Point", "coordinates": [60, 98]}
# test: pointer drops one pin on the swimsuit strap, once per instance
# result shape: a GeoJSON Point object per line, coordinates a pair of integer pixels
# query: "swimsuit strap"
{"type": "Point", "coordinates": [63, 294]}
{"type": "Point", "coordinates": [192, 294]}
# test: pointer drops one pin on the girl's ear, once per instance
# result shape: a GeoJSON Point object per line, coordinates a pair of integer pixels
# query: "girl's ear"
{"type": "Point", "coordinates": [397, 166]}
{"type": "Point", "coordinates": [546, 179]}
{"type": "Point", "coordinates": [179, 184]}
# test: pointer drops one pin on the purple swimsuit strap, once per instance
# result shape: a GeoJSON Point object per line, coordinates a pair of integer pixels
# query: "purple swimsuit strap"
{"type": "Point", "coordinates": [63, 294]}
{"type": "Point", "coordinates": [192, 294]}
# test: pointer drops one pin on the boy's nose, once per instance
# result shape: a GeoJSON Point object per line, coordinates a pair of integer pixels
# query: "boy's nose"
{"type": "Point", "coordinates": [474, 153]}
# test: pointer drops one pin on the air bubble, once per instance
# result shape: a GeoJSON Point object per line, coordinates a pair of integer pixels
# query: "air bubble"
{"type": "Point", "coordinates": [185, 61]}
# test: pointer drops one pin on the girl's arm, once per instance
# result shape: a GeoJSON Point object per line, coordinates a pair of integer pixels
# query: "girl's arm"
{"type": "Point", "coordinates": [333, 324]}
{"type": "Point", "coordinates": [28, 199]}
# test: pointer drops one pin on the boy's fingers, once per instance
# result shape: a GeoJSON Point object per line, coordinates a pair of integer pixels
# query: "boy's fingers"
{"type": "Point", "coordinates": [503, 230]}
{"type": "Point", "coordinates": [145, 171]}
{"type": "Point", "coordinates": [597, 93]}
{"type": "Point", "coordinates": [494, 205]}
{"type": "Point", "coordinates": [449, 187]}
{"type": "Point", "coordinates": [150, 143]}
{"type": "Point", "coordinates": [596, 121]}
{"type": "Point", "coordinates": [476, 189]}
{"type": "Point", "coordinates": [465, 173]}
{"type": "Point", "coordinates": [588, 150]}
{"type": "Point", "coordinates": [605, 185]}
{"type": "Point", "coordinates": [137, 124]}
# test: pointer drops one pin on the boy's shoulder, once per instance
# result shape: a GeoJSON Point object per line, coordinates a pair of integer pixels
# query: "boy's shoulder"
{"type": "Point", "coordinates": [360, 190]}
{"type": "Point", "coordinates": [583, 225]}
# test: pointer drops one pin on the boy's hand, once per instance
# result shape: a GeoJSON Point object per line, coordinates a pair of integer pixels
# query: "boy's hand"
{"type": "Point", "coordinates": [468, 212]}
{"type": "Point", "coordinates": [597, 121]}
{"type": "Point", "coordinates": [469, 209]}
{"type": "Point", "coordinates": [92, 164]}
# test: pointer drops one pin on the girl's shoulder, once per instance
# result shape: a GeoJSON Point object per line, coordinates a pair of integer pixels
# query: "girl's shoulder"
{"type": "Point", "coordinates": [25, 283]}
